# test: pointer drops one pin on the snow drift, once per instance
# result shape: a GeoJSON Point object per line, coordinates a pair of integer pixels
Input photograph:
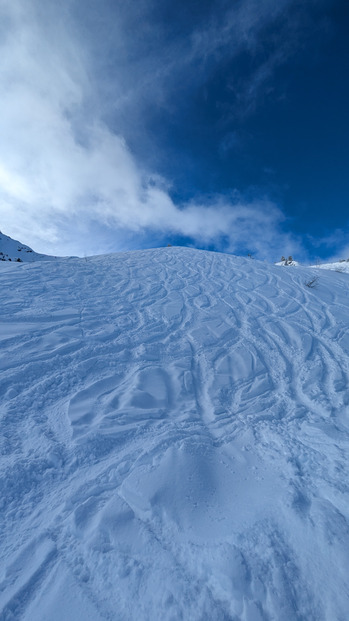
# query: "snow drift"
{"type": "Point", "coordinates": [174, 440]}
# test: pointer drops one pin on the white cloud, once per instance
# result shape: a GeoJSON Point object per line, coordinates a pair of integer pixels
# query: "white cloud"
{"type": "Point", "coordinates": [62, 169]}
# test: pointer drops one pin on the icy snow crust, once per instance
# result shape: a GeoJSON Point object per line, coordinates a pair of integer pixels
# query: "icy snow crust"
{"type": "Point", "coordinates": [174, 440]}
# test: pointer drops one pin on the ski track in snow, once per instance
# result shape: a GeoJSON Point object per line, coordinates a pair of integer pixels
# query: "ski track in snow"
{"type": "Point", "coordinates": [174, 440]}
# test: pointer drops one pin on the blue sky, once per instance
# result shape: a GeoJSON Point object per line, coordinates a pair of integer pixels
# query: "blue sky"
{"type": "Point", "coordinates": [220, 125]}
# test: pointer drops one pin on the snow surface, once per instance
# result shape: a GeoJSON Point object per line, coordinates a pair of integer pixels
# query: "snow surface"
{"type": "Point", "coordinates": [337, 266]}
{"type": "Point", "coordinates": [13, 250]}
{"type": "Point", "coordinates": [174, 440]}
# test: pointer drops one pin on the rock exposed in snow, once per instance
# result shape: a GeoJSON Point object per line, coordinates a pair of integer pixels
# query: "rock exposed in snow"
{"type": "Point", "coordinates": [174, 440]}
{"type": "Point", "coordinates": [287, 263]}
{"type": "Point", "coordinates": [13, 250]}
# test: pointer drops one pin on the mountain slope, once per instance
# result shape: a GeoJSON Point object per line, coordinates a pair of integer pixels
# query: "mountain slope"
{"type": "Point", "coordinates": [13, 250]}
{"type": "Point", "coordinates": [174, 440]}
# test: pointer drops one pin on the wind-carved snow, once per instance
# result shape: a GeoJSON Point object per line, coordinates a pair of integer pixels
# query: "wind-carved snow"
{"type": "Point", "coordinates": [174, 440]}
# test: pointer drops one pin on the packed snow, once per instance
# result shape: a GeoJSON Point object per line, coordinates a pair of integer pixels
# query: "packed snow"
{"type": "Point", "coordinates": [174, 440]}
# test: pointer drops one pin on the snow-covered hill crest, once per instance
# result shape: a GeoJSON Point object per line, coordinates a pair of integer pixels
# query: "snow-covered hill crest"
{"type": "Point", "coordinates": [174, 440]}
{"type": "Point", "coordinates": [13, 250]}
{"type": "Point", "coordinates": [336, 266]}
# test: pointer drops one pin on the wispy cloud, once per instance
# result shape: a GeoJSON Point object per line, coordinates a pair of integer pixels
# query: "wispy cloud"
{"type": "Point", "coordinates": [154, 65]}
{"type": "Point", "coordinates": [64, 160]}
{"type": "Point", "coordinates": [338, 239]}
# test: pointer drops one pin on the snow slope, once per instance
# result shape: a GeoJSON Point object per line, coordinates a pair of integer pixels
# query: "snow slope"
{"type": "Point", "coordinates": [337, 266]}
{"type": "Point", "coordinates": [13, 250]}
{"type": "Point", "coordinates": [174, 440]}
